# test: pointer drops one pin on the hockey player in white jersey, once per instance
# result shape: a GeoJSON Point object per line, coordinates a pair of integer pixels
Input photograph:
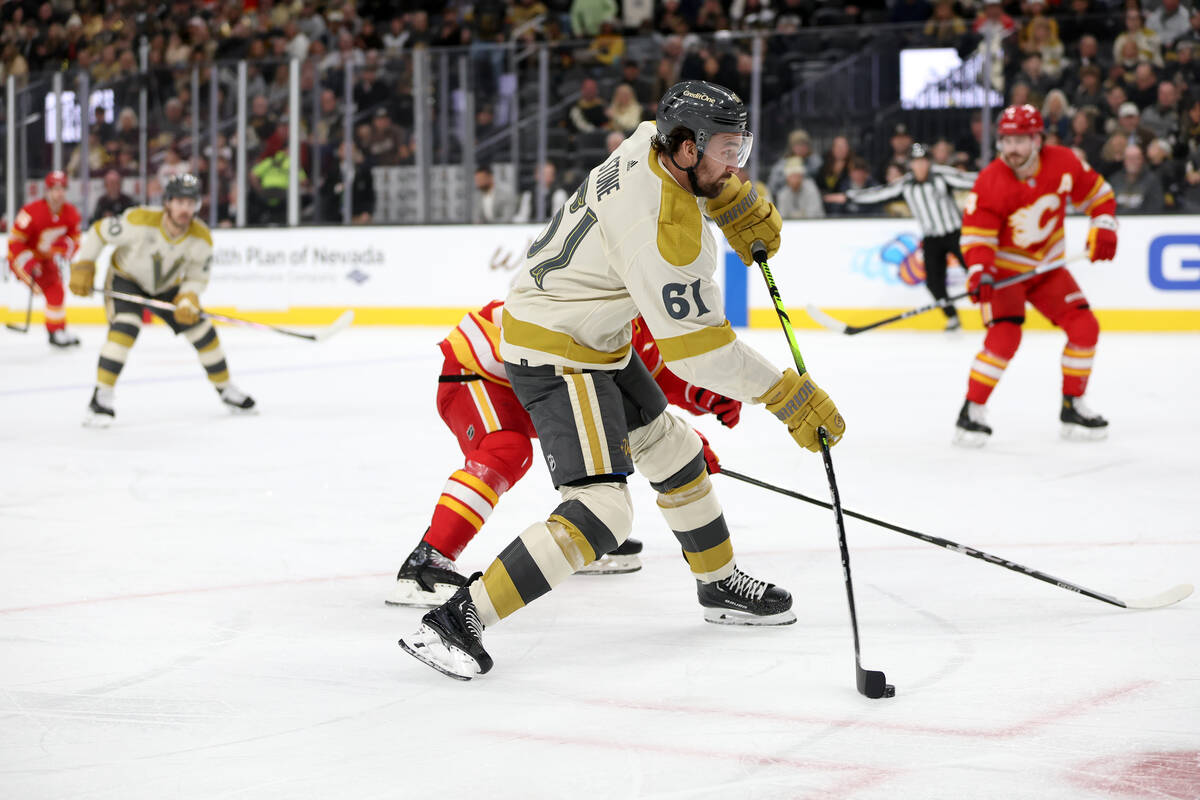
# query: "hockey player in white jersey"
{"type": "Point", "coordinates": [630, 241]}
{"type": "Point", "coordinates": [163, 254]}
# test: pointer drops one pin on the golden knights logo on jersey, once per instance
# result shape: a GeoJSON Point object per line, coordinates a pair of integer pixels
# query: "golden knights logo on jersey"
{"type": "Point", "coordinates": [161, 280]}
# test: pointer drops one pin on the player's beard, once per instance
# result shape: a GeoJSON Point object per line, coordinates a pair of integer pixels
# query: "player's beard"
{"type": "Point", "coordinates": [713, 188]}
{"type": "Point", "coordinates": [181, 226]}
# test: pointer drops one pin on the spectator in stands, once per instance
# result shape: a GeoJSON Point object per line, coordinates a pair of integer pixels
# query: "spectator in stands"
{"type": "Point", "coordinates": [942, 152]}
{"type": "Point", "coordinates": [993, 14]}
{"type": "Point", "coordinates": [1081, 23]}
{"type": "Point", "coordinates": [172, 166]}
{"type": "Point", "coordinates": [588, 114]}
{"type": "Point", "coordinates": [396, 36]}
{"type": "Point", "coordinates": [798, 198]}
{"type": "Point", "coordinates": [361, 181]}
{"type": "Point", "coordinates": [1089, 92]}
{"type": "Point", "coordinates": [556, 195]}
{"type": "Point", "coordinates": [835, 166]}
{"type": "Point", "coordinates": [900, 143]}
{"type": "Point", "coordinates": [1043, 40]}
{"type": "Point", "coordinates": [1129, 123]}
{"type": "Point", "coordinates": [1168, 170]}
{"type": "Point", "coordinates": [625, 112]}
{"type": "Point", "coordinates": [1112, 154]}
{"type": "Point", "coordinates": [1149, 45]}
{"type": "Point", "coordinates": [613, 140]}
{"type": "Point", "coordinates": [799, 146]}
{"type": "Point", "coordinates": [944, 28]}
{"type": "Point", "coordinates": [1144, 91]}
{"type": "Point", "coordinates": [269, 181]}
{"type": "Point", "coordinates": [1162, 118]}
{"type": "Point", "coordinates": [1189, 127]}
{"type": "Point", "coordinates": [113, 202]}
{"type": "Point", "coordinates": [970, 144]}
{"type": "Point", "coordinates": [1114, 100]}
{"type": "Point", "coordinates": [608, 46]}
{"type": "Point", "coordinates": [1083, 135]}
{"type": "Point", "coordinates": [371, 91]}
{"type": "Point", "coordinates": [492, 203]}
{"type": "Point", "coordinates": [1034, 76]}
{"type": "Point", "coordinates": [643, 88]}
{"type": "Point", "coordinates": [14, 64]}
{"type": "Point", "coordinates": [1090, 55]}
{"type": "Point", "coordinates": [838, 204]}
{"type": "Point", "coordinates": [588, 15]}
{"type": "Point", "coordinates": [1170, 22]}
{"type": "Point", "coordinates": [1185, 69]}
{"type": "Point", "coordinates": [329, 121]}
{"type": "Point", "coordinates": [383, 143]}
{"type": "Point", "coordinates": [1137, 189]}
{"type": "Point", "coordinates": [525, 11]}
{"type": "Point", "coordinates": [1057, 113]}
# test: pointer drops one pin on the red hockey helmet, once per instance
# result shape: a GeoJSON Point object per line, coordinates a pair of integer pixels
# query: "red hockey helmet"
{"type": "Point", "coordinates": [1021, 120]}
{"type": "Point", "coordinates": [56, 178]}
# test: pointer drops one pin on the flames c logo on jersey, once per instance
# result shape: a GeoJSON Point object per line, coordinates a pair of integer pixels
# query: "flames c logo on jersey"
{"type": "Point", "coordinates": [1026, 223]}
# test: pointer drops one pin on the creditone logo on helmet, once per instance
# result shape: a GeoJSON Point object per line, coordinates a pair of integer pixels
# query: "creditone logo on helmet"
{"type": "Point", "coordinates": [699, 96]}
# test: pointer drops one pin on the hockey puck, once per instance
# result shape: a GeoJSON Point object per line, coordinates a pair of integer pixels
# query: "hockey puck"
{"type": "Point", "coordinates": [889, 691]}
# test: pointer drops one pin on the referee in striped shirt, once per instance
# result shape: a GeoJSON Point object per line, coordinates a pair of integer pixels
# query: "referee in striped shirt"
{"type": "Point", "coordinates": [928, 189]}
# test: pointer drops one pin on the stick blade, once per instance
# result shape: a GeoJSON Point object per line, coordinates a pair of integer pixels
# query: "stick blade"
{"type": "Point", "coordinates": [1168, 598]}
{"type": "Point", "coordinates": [340, 324]}
{"type": "Point", "coordinates": [826, 321]}
{"type": "Point", "coordinates": [873, 683]}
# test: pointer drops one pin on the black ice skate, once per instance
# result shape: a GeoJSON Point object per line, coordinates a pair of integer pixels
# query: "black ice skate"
{"type": "Point", "coordinates": [238, 401]}
{"type": "Point", "coordinates": [742, 600]}
{"type": "Point", "coordinates": [426, 580]}
{"type": "Point", "coordinates": [450, 638]}
{"type": "Point", "coordinates": [953, 323]}
{"type": "Point", "coordinates": [100, 413]}
{"type": "Point", "coordinates": [62, 339]}
{"type": "Point", "coordinates": [1079, 422]}
{"type": "Point", "coordinates": [623, 559]}
{"type": "Point", "coordinates": [972, 430]}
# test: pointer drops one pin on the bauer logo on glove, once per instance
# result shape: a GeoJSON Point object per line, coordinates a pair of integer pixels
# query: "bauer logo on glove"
{"type": "Point", "coordinates": [745, 217]}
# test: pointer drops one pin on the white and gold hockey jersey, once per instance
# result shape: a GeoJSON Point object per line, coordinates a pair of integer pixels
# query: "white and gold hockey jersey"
{"type": "Point", "coordinates": [145, 254]}
{"type": "Point", "coordinates": [630, 241]}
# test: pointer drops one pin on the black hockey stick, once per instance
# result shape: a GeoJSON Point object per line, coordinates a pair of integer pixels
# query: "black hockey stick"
{"type": "Point", "coordinates": [28, 315]}
{"type": "Point", "coordinates": [338, 325]}
{"type": "Point", "coordinates": [871, 683]}
{"type": "Point", "coordinates": [1169, 597]}
{"type": "Point", "coordinates": [832, 324]}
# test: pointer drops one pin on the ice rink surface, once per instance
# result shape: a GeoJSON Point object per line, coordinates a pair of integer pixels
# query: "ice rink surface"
{"type": "Point", "coordinates": [191, 603]}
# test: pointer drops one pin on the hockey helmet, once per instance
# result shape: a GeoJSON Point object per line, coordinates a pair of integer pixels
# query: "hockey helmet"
{"type": "Point", "coordinates": [707, 110]}
{"type": "Point", "coordinates": [56, 178]}
{"type": "Point", "coordinates": [917, 150]}
{"type": "Point", "coordinates": [185, 185]}
{"type": "Point", "coordinates": [1020, 120]}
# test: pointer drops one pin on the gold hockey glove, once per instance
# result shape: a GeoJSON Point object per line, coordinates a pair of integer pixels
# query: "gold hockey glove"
{"type": "Point", "coordinates": [745, 217]}
{"type": "Point", "coordinates": [187, 308]}
{"type": "Point", "coordinates": [82, 275]}
{"type": "Point", "coordinates": [803, 406]}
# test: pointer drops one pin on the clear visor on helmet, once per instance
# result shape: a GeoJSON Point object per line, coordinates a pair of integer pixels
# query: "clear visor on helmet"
{"type": "Point", "coordinates": [730, 149]}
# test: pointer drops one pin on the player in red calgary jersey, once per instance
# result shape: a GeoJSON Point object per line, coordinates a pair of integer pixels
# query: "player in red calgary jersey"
{"type": "Point", "coordinates": [477, 403]}
{"type": "Point", "coordinates": [1013, 223]}
{"type": "Point", "coordinates": [45, 232]}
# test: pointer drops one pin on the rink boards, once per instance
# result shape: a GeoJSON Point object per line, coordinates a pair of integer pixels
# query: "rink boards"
{"type": "Point", "coordinates": [857, 270]}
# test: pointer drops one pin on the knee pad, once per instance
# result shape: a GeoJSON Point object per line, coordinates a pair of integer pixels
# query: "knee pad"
{"type": "Point", "coordinates": [503, 455]}
{"type": "Point", "coordinates": [665, 448]}
{"type": "Point", "coordinates": [1003, 338]}
{"type": "Point", "coordinates": [1082, 327]}
{"type": "Point", "coordinates": [591, 520]}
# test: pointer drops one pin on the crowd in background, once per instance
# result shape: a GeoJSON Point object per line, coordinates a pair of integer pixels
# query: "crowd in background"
{"type": "Point", "coordinates": [1119, 82]}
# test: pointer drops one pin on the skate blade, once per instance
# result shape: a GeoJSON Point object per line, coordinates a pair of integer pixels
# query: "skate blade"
{"type": "Point", "coordinates": [727, 616]}
{"type": "Point", "coordinates": [427, 647]}
{"type": "Point", "coordinates": [237, 411]}
{"type": "Point", "coordinates": [97, 420]}
{"type": "Point", "coordinates": [1079, 433]}
{"type": "Point", "coordinates": [409, 593]}
{"type": "Point", "coordinates": [612, 565]}
{"type": "Point", "coordinates": [972, 439]}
